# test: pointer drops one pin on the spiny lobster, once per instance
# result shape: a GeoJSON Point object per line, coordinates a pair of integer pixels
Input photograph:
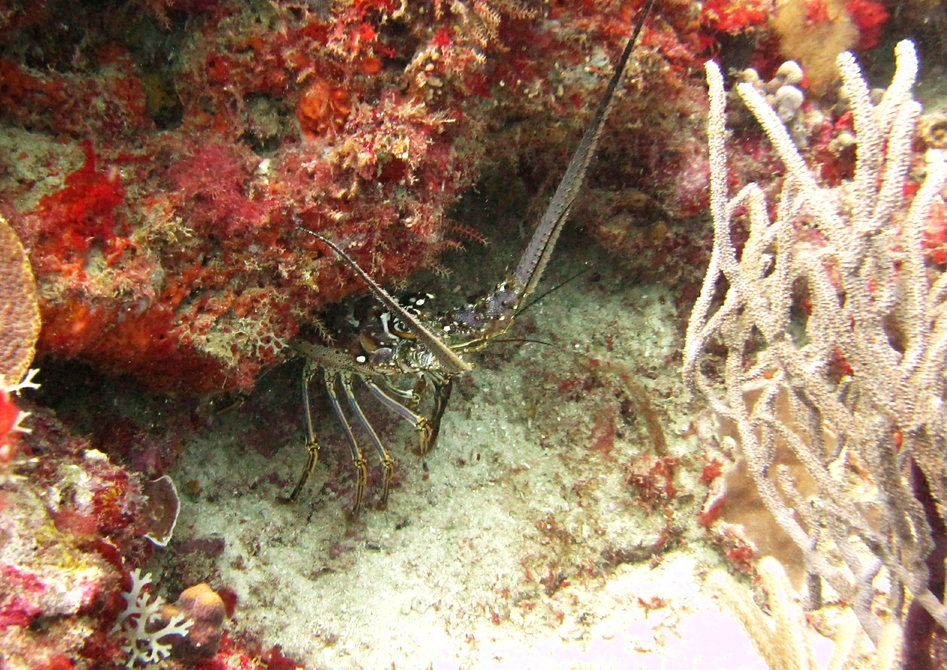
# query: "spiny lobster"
{"type": "Point", "coordinates": [400, 341]}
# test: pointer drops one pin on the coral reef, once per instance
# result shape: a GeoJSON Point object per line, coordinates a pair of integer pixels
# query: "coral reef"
{"type": "Point", "coordinates": [73, 524]}
{"type": "Point", "coordinates": [68, 520]}
{"type": "Point", "coordinates": [208, 130]}
{"type": "Point", "coordinates": [156, 161]}
{"type": "Point", "coordinates": [171, 253]}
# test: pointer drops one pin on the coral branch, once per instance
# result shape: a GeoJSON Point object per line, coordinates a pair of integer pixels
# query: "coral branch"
{"type": "Point", "coordinates": [838, 276]}
{"type": "Point", "coordinates": [144, 645]}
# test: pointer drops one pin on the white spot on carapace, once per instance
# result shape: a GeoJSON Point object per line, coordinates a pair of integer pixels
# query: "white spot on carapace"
{"type": "Point", "coordinates": [384, 317]}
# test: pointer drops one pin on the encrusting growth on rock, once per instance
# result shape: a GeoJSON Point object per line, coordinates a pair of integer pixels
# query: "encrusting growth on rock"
{"type": "Point", "coordinates": [201, 605]}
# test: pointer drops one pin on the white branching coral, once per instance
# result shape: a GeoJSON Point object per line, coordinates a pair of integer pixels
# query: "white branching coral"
{"type": "Point", "coordinates": [144, 646]}
{"type": "Point", "coordinates": [11, 421]}
{"type": "Point", "coordinates": [27, 383]}
{"type": "Point", "coordinates": [780, 632]}
{"type": "Point", "coordinates": [836, 336]}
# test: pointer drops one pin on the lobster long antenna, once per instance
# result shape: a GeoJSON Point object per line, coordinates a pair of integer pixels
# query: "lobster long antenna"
{"type": "Point", "coordinates": [537, 254]}
{"type": "Point", "coordinates": [545, 294]}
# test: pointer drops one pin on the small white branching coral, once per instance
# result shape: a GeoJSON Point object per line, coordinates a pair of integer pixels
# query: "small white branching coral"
{"type": "Point", "coordinates": [144, 646]}
{"type": "Point", "coordinates": [27, 383]}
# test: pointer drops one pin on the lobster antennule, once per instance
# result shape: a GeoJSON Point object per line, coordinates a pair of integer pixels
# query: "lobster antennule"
{"type": "Point", "coordinates": [537, 254]}
{"type": "Point", "coordinates": [452, 363]}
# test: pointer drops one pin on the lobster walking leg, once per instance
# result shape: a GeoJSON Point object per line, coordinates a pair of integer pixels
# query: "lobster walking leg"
{"type": "Point", "coordinates": [312, 444]}
{"type": "Point", "coordinates": [361, 467]}
{"type": "Point", "coordinates": [441, 398]}
{"type": "Point", "coordinates": [387, 462]}
{"type": "Point", "coordinates": [421, 425]}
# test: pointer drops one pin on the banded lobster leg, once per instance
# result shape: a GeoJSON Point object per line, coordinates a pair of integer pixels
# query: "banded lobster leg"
{"type": "Point", "coordinates": [428, 430]}
{"type": "Point", "coordinates": [358, 459]}
{"type": "Point", "coordinates": [318, 356]}
{"type": "Point", "coordinates": [312, 442]}
{"type": "Point", "coordinates": [387, 463]}
{"type": "Point", "coordinates": [331, 378]}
